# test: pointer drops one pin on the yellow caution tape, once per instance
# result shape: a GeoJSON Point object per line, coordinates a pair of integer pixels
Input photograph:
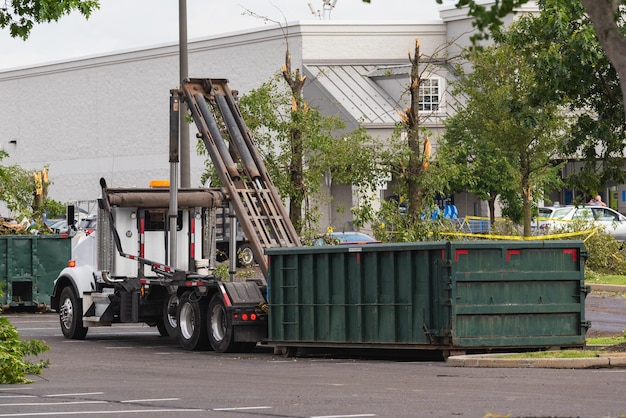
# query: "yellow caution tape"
{"type": "Point", "coordinates": [589, 232]}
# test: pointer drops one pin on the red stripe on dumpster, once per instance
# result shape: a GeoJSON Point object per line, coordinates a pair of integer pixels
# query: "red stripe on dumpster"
{"type": "Point", "coordinates": [459, 252]}
{"type": "Point", "coordinates": [573, 252]}
{"type": "Point", "coordinates": [509, 253]}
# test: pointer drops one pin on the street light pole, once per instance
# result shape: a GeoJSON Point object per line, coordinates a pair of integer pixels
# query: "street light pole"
{"type": "Point", "coordinates": [185, 180]}
{"type": "Point", "coordinates": [179, 140]}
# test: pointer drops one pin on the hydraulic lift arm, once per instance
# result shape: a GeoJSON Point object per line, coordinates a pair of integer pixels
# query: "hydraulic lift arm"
{"type": "Point", "coordinates": [239, 165]}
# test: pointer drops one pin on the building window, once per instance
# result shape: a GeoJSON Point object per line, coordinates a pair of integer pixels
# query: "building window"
{"type": "Point", "coordinates": [429, 95]}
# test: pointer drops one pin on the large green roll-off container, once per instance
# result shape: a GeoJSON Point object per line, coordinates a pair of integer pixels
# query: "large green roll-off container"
{"type": "Point", "coordinates": [29, 264]}
{"type": "Point", "coordinates": [450, 296]}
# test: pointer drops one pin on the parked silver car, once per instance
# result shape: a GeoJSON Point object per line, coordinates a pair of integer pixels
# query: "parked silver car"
{"type": "Point", "coordinates": [614, 223]}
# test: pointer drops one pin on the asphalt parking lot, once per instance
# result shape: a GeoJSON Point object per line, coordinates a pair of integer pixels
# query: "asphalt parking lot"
{"type": "Point", "coordinates": [130, 370]}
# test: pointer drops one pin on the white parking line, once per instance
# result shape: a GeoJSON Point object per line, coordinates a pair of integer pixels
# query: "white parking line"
{"type": "Point", "coordinates": [345, 416]}
{"type": "Point", "coordinates": [150, 400]}
{"type": "Point", "coordinates": [21, 329]}
{"type": "Point", "coordinates": [72, 394]}
{"type": "Point", "coordinates": [241, 408]}
{"type": "Point", "coordinates": [52, 403]}
{"type": "Point", "coordinates": [129, 411]}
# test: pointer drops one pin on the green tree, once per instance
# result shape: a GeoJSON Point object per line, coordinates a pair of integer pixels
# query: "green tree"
{"type": "Point", "coordinates": [301, 148]}
{"type": "Point", "coordinates": [304, 148]}
{"type": "Point", "coordinates": [21, 15]}
{"type": "Point", "coordinates": [409, 158]}
{"type": "Point", "coordinates": [560, 42]}
{"type": "Point", "coordinates": [481, 169]}
{"type": "Point", "coordinates": [606, 15]}
{"type": "Point", "coordinates": [18, 188]}
{"type": "Point", "coordinates": [505, 119]}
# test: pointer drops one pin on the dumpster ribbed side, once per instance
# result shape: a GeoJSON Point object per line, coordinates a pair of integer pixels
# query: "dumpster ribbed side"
{"type": "Point", "coordinates": [518, 294]}
{"type": "Point", "coordinates": [372, 295]}
{"type": "Point", "coordinates": [446, 295]}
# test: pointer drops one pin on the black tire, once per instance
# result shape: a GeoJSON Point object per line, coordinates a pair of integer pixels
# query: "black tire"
{"type": "Point", "coordinates": [71, 315]}
{"type": "Point", "coordinates": [245, 256]}
{"type": "Point", "coordinates": [192, 328]}
{"type": "Point", "coordinates": [168, 326]}
{"type": "Point", "coordinates": [162, 330]}
{"type": "Point", "coordinates": [219, 327]}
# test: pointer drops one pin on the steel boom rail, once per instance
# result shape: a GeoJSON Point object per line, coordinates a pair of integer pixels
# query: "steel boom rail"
{"type": "Point", "coordinates": [241, 170]}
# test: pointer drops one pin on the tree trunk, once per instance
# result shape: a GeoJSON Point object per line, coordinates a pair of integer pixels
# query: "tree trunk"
{"type": "Point", "coordinates": [492, 210]}
{"type": "Point", "coordinates": [411, 120]}
{"type": "Point", "coordinates": [602, 14]}
{"type": "Point", "coordinates": [296, 165]}
{"type": "Point", "coordinates": [527, 207]}
{"type": "Point", "coordinates": [296, 175]}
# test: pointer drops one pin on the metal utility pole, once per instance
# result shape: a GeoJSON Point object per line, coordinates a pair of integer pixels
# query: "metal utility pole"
{"type": "Point", "coordinates": [179, 138]}
{"type": "Point", "coordinates": [185, 177]}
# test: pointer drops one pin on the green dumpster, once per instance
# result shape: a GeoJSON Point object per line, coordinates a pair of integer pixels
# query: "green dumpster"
{"type": "Point", "coordinates": [517, 294]}
{"type": "Point", "coordinates": [29, 264]}
{"type": "Point", "coordinates": [428, 295]}
{"type": "Point", "coordinates": [353, 295]}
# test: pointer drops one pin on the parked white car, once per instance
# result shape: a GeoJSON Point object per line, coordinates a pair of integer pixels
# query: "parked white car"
{"type": "Point", "coordinates": [614, 223]}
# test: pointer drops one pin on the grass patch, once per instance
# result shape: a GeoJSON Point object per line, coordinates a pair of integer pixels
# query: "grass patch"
{"type": "Point", "coordinates": [557, 354]}
{"type": "Point", "coordinates": [612, 340]}
{"type": "Point", "coordinates": [588, 353]}
{"type": "Point", "coordinates": [597, 278]}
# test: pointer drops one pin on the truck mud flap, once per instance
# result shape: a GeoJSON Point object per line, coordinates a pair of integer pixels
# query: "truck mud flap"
{"type": "Point", "coordinates": [129, 306]}
{"type": "Point", "coordinates": [244, 293]}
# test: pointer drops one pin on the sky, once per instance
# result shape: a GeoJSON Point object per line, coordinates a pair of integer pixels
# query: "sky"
{"type": "Point", "coordinates": [130, 24]}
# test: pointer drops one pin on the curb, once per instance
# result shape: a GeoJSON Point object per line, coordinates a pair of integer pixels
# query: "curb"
{"type": "Point", "coordinates": [606, 360]}
{"type": "Point", "coordinates": [607, 287]}
{"type": "Point", "coordinates": [497, 361]}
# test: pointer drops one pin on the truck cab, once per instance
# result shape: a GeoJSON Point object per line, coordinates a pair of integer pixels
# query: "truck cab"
{"type": "Point", "coordinates": [123, 272]}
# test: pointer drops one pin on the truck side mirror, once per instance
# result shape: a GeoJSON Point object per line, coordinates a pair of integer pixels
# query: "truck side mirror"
{"type": "Point", "coordinates": [71, 220]}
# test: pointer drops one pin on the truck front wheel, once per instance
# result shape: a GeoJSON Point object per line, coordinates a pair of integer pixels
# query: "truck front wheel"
{"type": "Point", "coordinates": [71, 315]}
{"type": "Point", "coordinates": [219, 327]}
{"type": "Point", "coordinates": [192, 329]}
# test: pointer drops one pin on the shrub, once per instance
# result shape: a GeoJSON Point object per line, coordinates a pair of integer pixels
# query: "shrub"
{"type": "Point", "coordinates": [606, 255]}
{"type": "Point", "coordinates": [13, 365]}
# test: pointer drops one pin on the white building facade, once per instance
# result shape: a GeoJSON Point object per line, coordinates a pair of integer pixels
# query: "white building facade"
{"type": "Point", "coordinates": [107, 115]}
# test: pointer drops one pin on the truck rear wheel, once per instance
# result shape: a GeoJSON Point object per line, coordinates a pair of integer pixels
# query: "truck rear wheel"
{"type": "Point", "coordinates": [169, 325]}
{"type": "Point", "coordinates": [71, 315]}
{"type": "Point", "coordinates": [219, 328]}
{"type": "Point", "coordinates": [192, 329]}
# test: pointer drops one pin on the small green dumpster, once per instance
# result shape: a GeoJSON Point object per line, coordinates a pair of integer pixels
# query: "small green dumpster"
{"type": "Point", "coordinates": [428, 295]}
{"type": "Point", "coordinates": [29, 264]}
